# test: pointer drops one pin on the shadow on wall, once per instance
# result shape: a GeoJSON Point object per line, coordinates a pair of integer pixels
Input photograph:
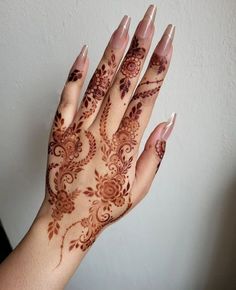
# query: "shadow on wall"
{"type": "Point", "coordinates": [222, 274]}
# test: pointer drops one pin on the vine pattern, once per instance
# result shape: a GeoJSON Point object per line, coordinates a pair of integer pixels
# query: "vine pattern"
{"type": "Point", "coordinates": [112, 189]}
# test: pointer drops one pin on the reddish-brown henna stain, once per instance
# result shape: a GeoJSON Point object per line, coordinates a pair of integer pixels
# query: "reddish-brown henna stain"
{"type": "Point", "coordinates": [160, 148]}
{"type": "Point", "coordinates": [112, 189]}
{"type": "Point", "coordinates": [131, 65]}
{"type": "Point", "coordinates": [74, 75]}
{"type": "Point", "coordinates": [98, 86]}
{"type": "Point", "coordinates": [159, 63]}
{"type": "Point", "coordinates": [65, 145]}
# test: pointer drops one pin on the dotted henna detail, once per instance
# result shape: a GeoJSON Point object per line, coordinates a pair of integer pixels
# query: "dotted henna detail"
{"type": "Point", "coordinates": [131, 65]}
{"type": "Point", "coordinates": [74, 76]}
{"type": "Point", "coordinates": [146, 94]}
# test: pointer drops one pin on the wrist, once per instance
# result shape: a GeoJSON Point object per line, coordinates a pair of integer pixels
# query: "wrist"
{"type": "Point", "coordinates": [40, 257]}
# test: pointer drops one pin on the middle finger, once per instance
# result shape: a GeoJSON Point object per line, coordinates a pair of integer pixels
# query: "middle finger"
{"type": "Point", "coordinates": [119, 95]}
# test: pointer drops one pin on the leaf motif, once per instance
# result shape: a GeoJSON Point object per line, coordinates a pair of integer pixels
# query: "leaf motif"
{"type": "Point", "coordinates": [50, 235]}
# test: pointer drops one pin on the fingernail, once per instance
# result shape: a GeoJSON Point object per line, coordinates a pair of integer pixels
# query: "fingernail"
{"type": "Point", "coordinates": [120, 34]}
{"type": "Point", "coordinates": [79, 63]}
{"type": "Point", "coordinates": [164, 44]}
{"type": "Point", "coordinates": [165, 133]}
{"type": "Point", "coordinates": [77, 68]}
{"type": "Point", "coordinates": [146, 26]}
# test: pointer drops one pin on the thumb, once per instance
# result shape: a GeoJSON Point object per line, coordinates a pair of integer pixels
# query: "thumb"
{"type": "Point", "coordinates": [150, 159]}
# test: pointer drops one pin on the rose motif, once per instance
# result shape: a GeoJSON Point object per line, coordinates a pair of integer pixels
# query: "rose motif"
{"type": "Point", "coordinates": [119, 201]}
{"type": "Point", "coordinates": [123, 136]}
{"type": "Point", "coordinates": [131, 66]}
{"type": "Point", "coordinates": [56, 214]}
{"type": "Point", "coordinates": [63, 203]}
{"type": "Point", "coordinates": [109, 189]}
{"type": "Point", "coordinates": [98, 83]}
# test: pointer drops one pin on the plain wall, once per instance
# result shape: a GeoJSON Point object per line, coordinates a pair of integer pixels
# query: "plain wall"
{"type": "Point", "coordinates": [183, 235]}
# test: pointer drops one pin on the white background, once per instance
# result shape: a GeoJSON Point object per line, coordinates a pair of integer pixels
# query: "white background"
{"type": "Point", "coordinates": [183, 235]}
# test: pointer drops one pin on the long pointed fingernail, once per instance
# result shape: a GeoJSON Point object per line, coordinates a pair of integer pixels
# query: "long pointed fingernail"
{"type": "Point", "coordinates": [146, 26]}
{"type": "Point", "coordinates": [165, 133]}
{"type": "Point", "coordinates": [119, 36]}
{"type": "Point", "coordinates": [80, 61]}
{"type": "Point", "coordinates": [165, 43]}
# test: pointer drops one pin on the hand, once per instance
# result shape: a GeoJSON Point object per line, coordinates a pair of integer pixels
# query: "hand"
{"type": "Point", "coordinates": [93, 174]}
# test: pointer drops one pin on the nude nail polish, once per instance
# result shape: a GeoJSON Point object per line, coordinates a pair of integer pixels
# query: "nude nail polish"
{"type": "Point", "coordinates": [81, 57]}
{"type": "Point", "coordinates": [164, 44]}
{"type": "Point", "coordinates": [165, 133]}
{"type": "Point", "coordinates": [146, 26]}
{"type": "Point", "coordinates": [120, 34]}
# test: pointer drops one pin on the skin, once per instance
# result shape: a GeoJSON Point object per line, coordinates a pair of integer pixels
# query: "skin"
{"type": "Point", "coordinates": [94, 175]}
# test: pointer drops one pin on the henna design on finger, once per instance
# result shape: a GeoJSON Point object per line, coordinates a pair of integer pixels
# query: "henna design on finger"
{"type": "Point", "coordinates": [74, 75]}
{"type": "Point", "coordinates": [159, 63]}
{"type": "Point", "coordinates": [112, 189]}
{"type": "Point", "coordinates": [108, 198]}
{"type": "Point", "coordinates": [98, 86]}
{"type": "Point", "coordinates": [160, 148]}
{"type": "Point", "coordinates": [131, 65]}
{"type": "Point", "coordinates": [65, 146]}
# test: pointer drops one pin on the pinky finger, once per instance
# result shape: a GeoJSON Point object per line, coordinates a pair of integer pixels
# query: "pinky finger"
{"type": "Point", "coordinates": [150, 159]}
{"type": "Point", "coordinates": [68, 105]}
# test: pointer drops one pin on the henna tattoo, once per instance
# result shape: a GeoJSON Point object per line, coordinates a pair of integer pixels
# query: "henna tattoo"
{"type": "Point", "coordinates": [66, 146]}
{"type": "Point", "coordinates": [98, 86]}
{"type": "Point", "coordinates": [74, 75]}
{"type": "Point", "coordinates": [131, 65]}
{"type": "Point", "coordinates": [160, 148]}
{"type": "Point", "coordinates": [112, 189]}
{"type": "Point", "coordinates": [109, 196]}
{"type": "Point", "coordinates": [146, 94]}
{"type": "Point", "coordinates": [159, 63]}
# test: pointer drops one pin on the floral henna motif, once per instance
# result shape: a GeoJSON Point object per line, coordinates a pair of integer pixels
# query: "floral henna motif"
{"type": "Point", "coordinates": [112, 189]}
{"type": "Point", "coordinates": [110, 198]}
{"type": "Point", "coordinates": [65, 145]}
{"type": "Point", "coordinates": [98, 86]}
{"type": "Point", "coordinates": [131, 65]}
{"type": "Point", "coordinates": [74, 75]}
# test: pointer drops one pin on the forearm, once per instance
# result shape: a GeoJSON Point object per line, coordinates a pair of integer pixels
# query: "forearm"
{"type": "Point", "coordinates": [33, 264]}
